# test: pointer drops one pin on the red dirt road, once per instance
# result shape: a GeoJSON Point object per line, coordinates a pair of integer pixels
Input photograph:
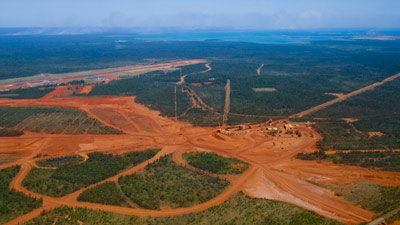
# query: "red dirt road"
{"type": "Point", "coordinates": [259, 69]}
{"type": "Point", "coordinates": [273, 174]}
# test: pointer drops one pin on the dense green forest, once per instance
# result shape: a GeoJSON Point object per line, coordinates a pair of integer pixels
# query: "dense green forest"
{"type": "Point", "coordinates": [342, 135]}
{"type": "Point", "coordinates": [387, 160]}
{"type": "Point", "coordinates": [293, 93]}
{"type": "Point", "coordinates": [13, 204]}
{"type": "Point", "coordinates": [29, 55]}
{"type": "Point", "coordinates": [53, 120]}
{"type": "Point", "coordinates": [214, 163]}
{"type": "Point", "coordinates": [238, 210]}
{"type": "Point", "coordinates": [164, 183]}
{"type": "Point", "coordinates": [372, 111]}
{"type": "Point", "coordinates": [71, 177]}
{"type": "Point", "coordinates": [300, 74]}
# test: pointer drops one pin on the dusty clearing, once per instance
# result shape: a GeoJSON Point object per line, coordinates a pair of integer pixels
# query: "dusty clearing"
{"type": "Point", "coordinates": [375, 134]}
{"type": "Point", "coordinates": [86, 89]}
{"type": "Point", "coordinates": [274, 172]}
{"type": "Point", "coordinates": [335, 94]}
{"type": "Point", "coordinates": [196, 84]}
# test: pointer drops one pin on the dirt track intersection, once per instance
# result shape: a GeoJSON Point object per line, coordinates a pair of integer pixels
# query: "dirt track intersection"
{"type": "Point", "coordinates": [274, 172]}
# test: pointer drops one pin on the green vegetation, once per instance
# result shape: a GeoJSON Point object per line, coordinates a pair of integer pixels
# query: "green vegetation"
{"type": "Point", "coordinates": [164, 183]}
{"type": "Point", "coordinates": [153, 89]}
{"type": "Point", "coordinates": [107, 193]}
{"type": "Point", "coordinates": [374, 111]}
{"type": "Point", "coordinates": [387, 160]}
{"type": "Point", "coordinates": [58, 162]}
{"type": "Point", "coordinates": [76, 82]}
{"type": "Point", "coordinates": [239, 209]}
{"type": "Point", "coordinates": [300, 74]}
{"type": "Point", "coordinates": [339, 134]}
{"type": "Point", "coordinates": [383, 160]}
{"type": "Point", "coordinates": [13, 204]}
{"type": "Point", "coordinates": [200, 117]}
{"type": "Point", "coordinates": [53, 120]}
{"type": "Point", "coordinates": [237, 119]}
{"type": "Point", "coordinates": [5, 132]}
{"type": "Point", "coordinates": [379, 199]}
{"type": "Point", "coordinates": [26, 93]}
{"type": "Point", "coordinates": [71, 177]}
{"type": "Point", "coordinates": [394, 218]}
{"type": "Point", "coordinates": [215, 163]}
{"type": "Point", "coordinates": [318, 155]}
{"type": "Point", "coordinates": [41, 181]}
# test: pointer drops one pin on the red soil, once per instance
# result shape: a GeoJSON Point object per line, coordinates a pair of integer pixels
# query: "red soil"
{"type": "Point", "coordinates": [197, 84]}
{"type": "Point", "coordinates": [274, 172]}
{"type": "Point", "coordinates": [86, 89]}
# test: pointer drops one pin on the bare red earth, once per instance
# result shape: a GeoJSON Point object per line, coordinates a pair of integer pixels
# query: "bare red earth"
{"type": "Point", "coordinates": [274, 172]}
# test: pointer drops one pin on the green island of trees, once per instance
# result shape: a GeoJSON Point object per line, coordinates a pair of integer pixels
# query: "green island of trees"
{"type": "Point", "coordinates": [71, 177]}
{"type": "Point", "coordinates": [13, 204]}
{"type": "Point", "coordinates": [106, 193]}
{"type": "Point", "coordinates": [164, 183]}
{"type": "Point", "coordinates": [214, 163]}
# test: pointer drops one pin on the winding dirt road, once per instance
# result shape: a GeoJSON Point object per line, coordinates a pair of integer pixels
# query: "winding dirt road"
{"type": "Point", "coordinates": [274, 172]}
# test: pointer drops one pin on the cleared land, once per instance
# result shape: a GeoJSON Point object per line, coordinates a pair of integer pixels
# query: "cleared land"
{"type": "Point", "coordinates": [274, 173]}
{"type": "Point", "coordinates": [270, 159]}
{"type": "Point", "coordinates": [52, 120]}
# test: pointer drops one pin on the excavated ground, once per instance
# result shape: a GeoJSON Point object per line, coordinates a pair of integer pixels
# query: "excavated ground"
{"type": "Point", "coordinates": [274, 172]}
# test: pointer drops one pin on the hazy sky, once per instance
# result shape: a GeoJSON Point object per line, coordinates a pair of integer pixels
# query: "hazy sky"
{"type": "Point", "coordinates": [239, 14]}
